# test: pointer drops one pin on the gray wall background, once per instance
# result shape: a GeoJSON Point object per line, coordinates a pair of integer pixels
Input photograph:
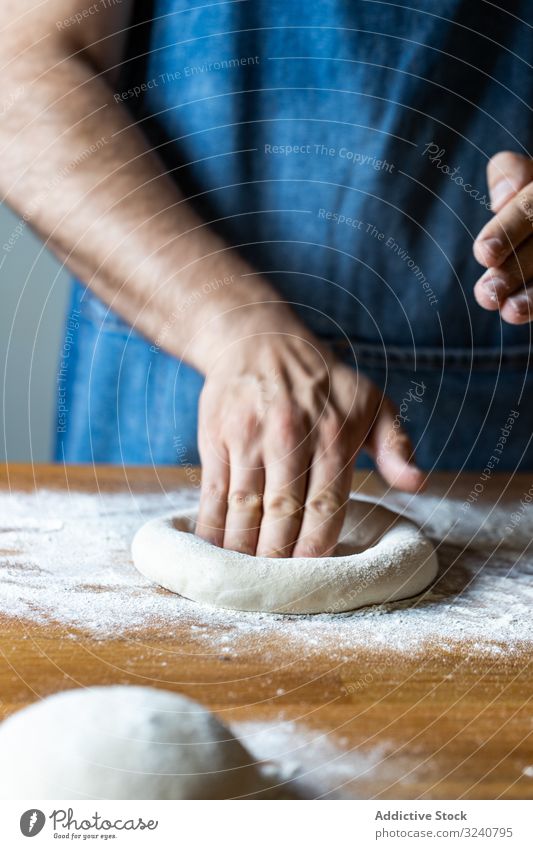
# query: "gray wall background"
{"type": "Point", "coordinates": [33, 302]}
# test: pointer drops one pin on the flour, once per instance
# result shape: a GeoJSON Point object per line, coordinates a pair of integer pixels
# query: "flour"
{"type": "Point", "coordinates": [311, 764]}
{"type": "Point", "coordinates": [483, 527]}
{"type": "Point", "coordinates": [64, 559]}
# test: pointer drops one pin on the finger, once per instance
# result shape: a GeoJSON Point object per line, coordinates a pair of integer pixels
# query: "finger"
{"type": "Point", "coordinates": [245, 500]}
{"type": "Point", "coordinates": [507, 230]}
{"type": "Point", "coordinates": [330, 477]}
{"type": "Point", "coordinates": [214, 495]}
{"type": "Point", "coordinates": [392, 449]}
{"type": "Point", "coordinates": [507, 173]}
{"type": "Point", "coordinates": [287, 454]}
{"type": "Point", "coordinates": [325, 505]}
{"type": "Point", "coordinates": [518, 309]}
{"type": "Point", "coordinates": [496, 284]}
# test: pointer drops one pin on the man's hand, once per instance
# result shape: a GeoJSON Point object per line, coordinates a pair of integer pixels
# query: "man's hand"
{"type": "Point", "coordinates": [505, 244]}
{"type": "Point", "coordinates": [281, 421]}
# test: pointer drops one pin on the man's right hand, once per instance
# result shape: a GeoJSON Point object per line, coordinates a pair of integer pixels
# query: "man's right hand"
{"type": "Point", "coordinates": [281, 422]}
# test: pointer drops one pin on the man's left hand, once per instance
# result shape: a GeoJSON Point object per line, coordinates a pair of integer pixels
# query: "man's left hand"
{"type": "Point", "coordinates": [505, 245]}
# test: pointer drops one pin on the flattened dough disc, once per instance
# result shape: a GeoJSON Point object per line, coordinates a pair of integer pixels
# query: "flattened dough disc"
{"type": "Point", "coordinates": [381, 557]}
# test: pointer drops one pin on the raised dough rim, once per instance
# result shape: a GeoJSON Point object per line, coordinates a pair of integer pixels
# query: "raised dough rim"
{"type": "Point", "coordinates": [350, 561]}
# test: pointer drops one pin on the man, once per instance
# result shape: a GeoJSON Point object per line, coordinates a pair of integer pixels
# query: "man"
{"type": "Point", "coordinates": [280, 198]}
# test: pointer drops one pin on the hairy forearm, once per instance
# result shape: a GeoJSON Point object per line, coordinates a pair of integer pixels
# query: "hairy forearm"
{"type": "Point", "coordinates": [83, 177]}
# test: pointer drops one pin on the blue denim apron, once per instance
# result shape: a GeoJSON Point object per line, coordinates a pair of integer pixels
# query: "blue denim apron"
{"type": "Point", "coordinates": [342, 147]}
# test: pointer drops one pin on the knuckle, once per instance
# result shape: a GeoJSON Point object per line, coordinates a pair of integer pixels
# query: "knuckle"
{"type": "Point", "coordinates": [325, 504]}
{"type": "Point", "coordinates": [283, 504]}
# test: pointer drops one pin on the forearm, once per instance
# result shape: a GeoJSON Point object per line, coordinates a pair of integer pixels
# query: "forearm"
{"type": "Point", "coordinates": [86, 181]}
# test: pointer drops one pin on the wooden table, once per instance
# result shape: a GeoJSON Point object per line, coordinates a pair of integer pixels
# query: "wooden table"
{"type": "Point", "coordinates": [460, 726]}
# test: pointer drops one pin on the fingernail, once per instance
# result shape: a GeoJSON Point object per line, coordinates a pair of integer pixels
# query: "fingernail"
{"type": "Point", "coordinates": [492, 248]}
{"type": "Point", "coordinates": [520, 304]}
{"type": "Point", "coordinates": [501, 192]}
{"type": "Point", "coordinates": [494, 287]}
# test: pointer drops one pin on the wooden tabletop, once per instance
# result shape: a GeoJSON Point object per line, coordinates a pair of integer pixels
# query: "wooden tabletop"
{"type": "Point", "coordinates": [454, 726]}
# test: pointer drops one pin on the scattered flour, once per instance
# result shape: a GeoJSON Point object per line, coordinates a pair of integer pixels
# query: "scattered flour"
{"type": "Point", "coordinates": [310, 764]}
{"type": "Point", "coordinates": [64, 558]}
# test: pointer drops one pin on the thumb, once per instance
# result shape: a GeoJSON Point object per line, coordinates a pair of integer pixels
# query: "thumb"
{"type": "Point", "coordinates": [507, 173]}
{"type": "Point", "coordinates": [392, 451]}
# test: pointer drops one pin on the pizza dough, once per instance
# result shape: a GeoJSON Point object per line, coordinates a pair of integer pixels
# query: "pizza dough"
{"type": "Point", "coordinates": [121, 743]}
{"type": "Point", "coordinates": [381, 557]}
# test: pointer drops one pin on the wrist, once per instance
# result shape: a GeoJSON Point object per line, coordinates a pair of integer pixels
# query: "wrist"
{"type": "Point", "coordinates": [242, 320]}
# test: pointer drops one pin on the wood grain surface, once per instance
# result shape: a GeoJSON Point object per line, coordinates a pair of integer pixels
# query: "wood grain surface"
{"type": "Point", "coordinates": [455, 725]}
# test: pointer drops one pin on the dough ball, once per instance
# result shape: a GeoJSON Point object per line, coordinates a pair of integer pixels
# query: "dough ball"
{"type": "Point", "coordinates": [121, 742]}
